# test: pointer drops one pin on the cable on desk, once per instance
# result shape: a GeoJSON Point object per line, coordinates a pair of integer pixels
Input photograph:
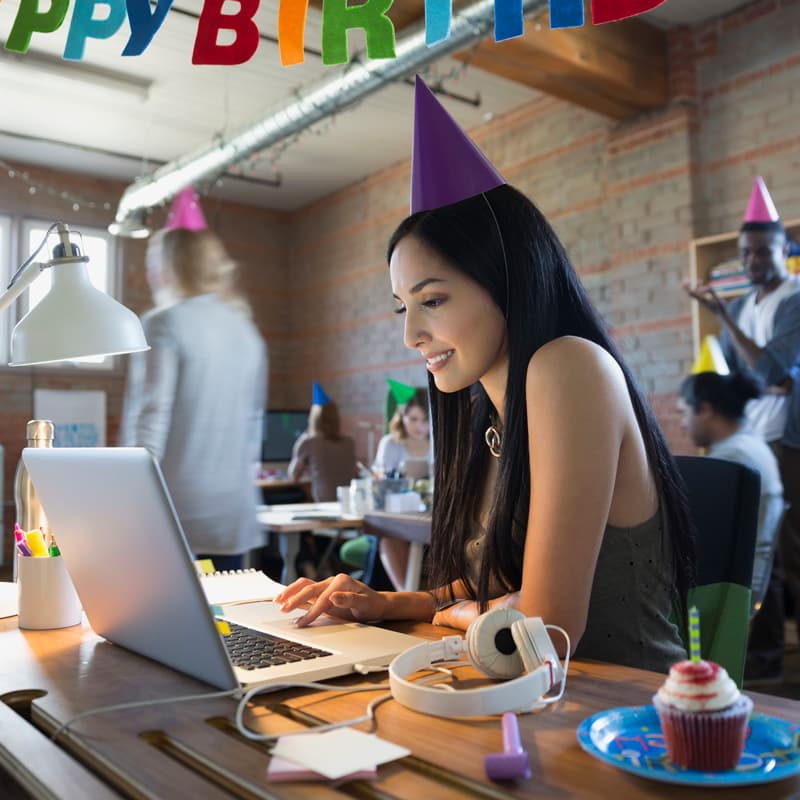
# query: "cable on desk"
{"type": "Point", "coordinates": [138, 704]}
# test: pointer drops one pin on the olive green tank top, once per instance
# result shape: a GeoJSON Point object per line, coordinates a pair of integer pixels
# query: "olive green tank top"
{"type": "Point", "coordinates": [631, 599]}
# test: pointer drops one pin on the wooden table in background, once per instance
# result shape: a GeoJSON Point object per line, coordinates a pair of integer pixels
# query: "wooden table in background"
{"type": "Point", "coordinates": [191, 750]}
{"type": "Point", "coordinates": [288, 521]}
{"type": "Point", "coordinates": [412, 528]}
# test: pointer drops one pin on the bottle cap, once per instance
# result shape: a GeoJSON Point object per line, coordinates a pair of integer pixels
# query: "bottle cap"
{"type": "Point", "coordinates": [39, 429]}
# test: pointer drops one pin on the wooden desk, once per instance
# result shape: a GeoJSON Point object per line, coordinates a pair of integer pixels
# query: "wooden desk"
{"type": "Point", "coordinates": [412, 528]}
{"type": "Point", "coordinates": [188, 750]}
{"type": "Point", "coordinates": [283, 520]}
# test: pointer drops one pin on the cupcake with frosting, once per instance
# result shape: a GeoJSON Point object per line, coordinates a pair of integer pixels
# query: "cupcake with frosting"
{"type": "Point", "coordinates": [703, 716]}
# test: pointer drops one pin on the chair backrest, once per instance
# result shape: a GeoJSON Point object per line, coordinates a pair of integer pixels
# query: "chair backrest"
{"type": "Point", "coordinates": [723, 501]}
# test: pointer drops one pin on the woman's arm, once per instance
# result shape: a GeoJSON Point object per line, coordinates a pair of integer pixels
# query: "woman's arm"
{"type": "Point", "coordinates": [299, 462]}
{"type": "Point", "coordinates": [578, 412]}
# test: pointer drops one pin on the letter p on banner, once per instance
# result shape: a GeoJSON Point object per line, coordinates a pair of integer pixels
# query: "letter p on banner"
{"type": "Point", "coordinates": [30, 20]}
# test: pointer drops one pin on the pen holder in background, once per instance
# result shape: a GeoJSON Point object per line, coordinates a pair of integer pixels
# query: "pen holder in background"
{"type": "Point", "coordinates": [388, 486]}
{"type": "Point", "coordinates": [47, 598]}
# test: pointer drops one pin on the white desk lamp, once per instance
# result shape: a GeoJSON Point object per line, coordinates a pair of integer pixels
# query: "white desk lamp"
{"type": "Point", "coordinates": [74, 319]}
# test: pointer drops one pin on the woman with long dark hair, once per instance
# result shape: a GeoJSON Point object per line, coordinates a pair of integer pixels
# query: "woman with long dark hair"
{"type": "Point", "coordinates": [554, 489]}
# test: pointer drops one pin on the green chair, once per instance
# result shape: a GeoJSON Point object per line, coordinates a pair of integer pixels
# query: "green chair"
{"type": "Point", "coordinates": [723, 502]}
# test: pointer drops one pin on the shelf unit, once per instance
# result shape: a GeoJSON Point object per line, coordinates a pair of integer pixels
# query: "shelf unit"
{"type": "Point", "coordinates": [707, 253]}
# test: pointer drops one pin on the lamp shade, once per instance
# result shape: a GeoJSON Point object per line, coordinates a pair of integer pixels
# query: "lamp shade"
{"type": "Point", "coordinates": [75, 320]}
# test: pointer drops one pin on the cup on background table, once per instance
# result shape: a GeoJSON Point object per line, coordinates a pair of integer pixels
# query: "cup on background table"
{"type": "Point", "coordinates": [360, 496]}
{"type": "Point", "coordinates": [343, 499]}
{"type": "Point", "coordinates": [47, 598]}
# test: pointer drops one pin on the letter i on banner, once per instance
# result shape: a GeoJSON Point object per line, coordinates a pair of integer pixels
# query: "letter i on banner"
{"type": "Point", "coordinates": [338, 18]}
{"type": "Point", "coordinates": [144, 25]}
{"type": "Point", "coordinates": [30, 20]}
{"type": "Point", "coordinates": [291, 31]}
{"type": "Point", "coordinates": [85, 26]}
{"type": "Point", "coordinates": [438, 17]}
{"type": "Point", "coordinates": [212, 21]}
{"type": "Point", "coordinates": [566, 14]}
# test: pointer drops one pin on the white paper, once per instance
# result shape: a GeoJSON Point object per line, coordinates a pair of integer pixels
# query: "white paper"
{"type": "Point", "coordinates": [79, 416]}
{"type": "Point", "coordinates": [335, 754]}
{"type": "Point", "coordinates": [8, 599]}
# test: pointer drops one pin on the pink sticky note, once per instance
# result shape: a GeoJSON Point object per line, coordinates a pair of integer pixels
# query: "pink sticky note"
{"type": "Point", "coordinates": [282, 771]}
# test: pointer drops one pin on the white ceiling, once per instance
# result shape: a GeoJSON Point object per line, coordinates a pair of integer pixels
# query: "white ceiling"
{"type": "Point", "coordinates": [64, 119]}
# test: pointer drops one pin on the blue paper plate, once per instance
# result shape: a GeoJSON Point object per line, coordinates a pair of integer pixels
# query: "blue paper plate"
{"type": "Point", "coordinates": [631, 739]}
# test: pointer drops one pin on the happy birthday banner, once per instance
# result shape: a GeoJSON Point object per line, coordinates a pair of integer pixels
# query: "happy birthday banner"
{"type": "Point", "coordinates": [337, 19]}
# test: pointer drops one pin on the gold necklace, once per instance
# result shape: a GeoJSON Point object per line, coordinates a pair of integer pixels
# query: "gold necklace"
{"type": "Point", "coordinates": [494, 440]}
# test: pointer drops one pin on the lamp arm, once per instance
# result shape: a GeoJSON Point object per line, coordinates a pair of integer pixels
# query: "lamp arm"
{"type": "Point", "coordinates": [23, 280]}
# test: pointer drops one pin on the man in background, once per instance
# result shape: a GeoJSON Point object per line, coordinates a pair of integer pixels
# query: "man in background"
{"type": "Point", "coordinates": [761, 335]}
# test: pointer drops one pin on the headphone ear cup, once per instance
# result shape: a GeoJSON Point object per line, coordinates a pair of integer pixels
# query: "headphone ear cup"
{"type": "Point", "coordinates": [527, 634]}
{"type": "Point", "coordinates": [490, 644]}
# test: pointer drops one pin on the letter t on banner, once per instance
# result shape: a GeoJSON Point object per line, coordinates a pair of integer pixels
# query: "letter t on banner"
{"type": "Point", "coordinates": [338, 18]}
{"type": "Point", "coordinates": [566, 14]}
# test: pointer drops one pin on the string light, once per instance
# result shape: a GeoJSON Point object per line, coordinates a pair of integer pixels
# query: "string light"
{"type": "Point", "coordinates": [35, 186]}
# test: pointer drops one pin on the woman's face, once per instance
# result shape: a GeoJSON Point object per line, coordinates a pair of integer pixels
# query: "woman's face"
{"type": "Point", "coordinates": [450, 319]}
{"type": "Point", "coordinates": [415, 421]}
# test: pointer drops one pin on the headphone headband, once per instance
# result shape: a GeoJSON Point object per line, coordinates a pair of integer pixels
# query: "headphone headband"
{"type": "Point", "coordinates": [518, 694]}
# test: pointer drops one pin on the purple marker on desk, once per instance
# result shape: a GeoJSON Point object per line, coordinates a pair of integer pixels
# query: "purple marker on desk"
{"type": "Point", "coordinates": [512, 764]}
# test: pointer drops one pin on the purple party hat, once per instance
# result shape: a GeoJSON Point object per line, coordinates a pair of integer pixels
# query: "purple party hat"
{"type": "Point", "coordinates": [319, 396]}
{"type": "Point", "coordinates": [446, 166]}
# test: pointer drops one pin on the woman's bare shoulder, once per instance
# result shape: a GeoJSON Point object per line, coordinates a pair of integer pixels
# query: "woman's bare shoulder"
{"type": "Point", "coordinates": [573, 356]}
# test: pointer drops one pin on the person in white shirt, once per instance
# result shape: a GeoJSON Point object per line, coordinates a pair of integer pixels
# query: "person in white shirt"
{"type": "Point", "coordinates": [712, 412]}
{"type": "Point", "coordinates": [761, 336]}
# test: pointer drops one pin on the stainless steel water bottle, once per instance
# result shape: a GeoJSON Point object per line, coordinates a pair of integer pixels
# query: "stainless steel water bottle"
{"type": "Point", "coordinates": [30, 514]}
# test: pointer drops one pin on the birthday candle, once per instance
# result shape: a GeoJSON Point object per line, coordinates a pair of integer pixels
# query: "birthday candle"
{"type": "Point", "coordinates": [694, 635]}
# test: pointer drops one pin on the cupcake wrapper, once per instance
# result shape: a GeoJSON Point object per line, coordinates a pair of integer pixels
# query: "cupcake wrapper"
{"type": "Point", "coordinates": [708, 741]}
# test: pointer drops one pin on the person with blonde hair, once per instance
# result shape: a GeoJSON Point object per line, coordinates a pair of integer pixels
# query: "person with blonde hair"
{"type": "Point", "coordinates": [196, 399]}
{"type": "Point", "coordinates": [329, 459]}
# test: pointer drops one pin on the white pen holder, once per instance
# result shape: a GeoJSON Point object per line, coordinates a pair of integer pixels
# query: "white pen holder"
{"type": "Point", "coordinates": [47, 598]}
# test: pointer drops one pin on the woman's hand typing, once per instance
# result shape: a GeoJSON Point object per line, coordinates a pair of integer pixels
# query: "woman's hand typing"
{"type": "Point", "coordinates": [340, 596]}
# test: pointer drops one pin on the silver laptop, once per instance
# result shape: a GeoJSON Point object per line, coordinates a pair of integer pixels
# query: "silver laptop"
{"type": "Point", "coordinates": [115, 524]}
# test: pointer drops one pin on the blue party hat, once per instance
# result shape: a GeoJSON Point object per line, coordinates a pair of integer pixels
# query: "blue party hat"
{"type": "Point", "coordinates": [320, 398]}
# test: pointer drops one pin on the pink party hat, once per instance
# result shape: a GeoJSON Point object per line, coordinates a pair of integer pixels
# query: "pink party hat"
{"type": "Point", "coordinates": [446, 166]}
{"type": "Point", "coordinates": [185, 212]}
{"type": "Point", "coordinates": [761, 208]}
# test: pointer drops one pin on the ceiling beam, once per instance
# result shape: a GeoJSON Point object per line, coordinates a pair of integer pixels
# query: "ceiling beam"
{"type": "Point", "coordinates": [618, 70]}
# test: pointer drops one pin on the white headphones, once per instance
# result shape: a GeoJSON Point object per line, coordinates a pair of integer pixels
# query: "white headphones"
{"type": "Point", "coordinates": [502, 644]}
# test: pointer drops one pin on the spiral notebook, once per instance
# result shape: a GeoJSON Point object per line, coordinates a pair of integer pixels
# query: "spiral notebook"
{"type": "Point", "coordinates": [239, 586]}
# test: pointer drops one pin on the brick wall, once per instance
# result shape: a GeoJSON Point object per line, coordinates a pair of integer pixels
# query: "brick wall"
{"type": "Point", "coordinates": [252, 235]}
{"type": "Point", "coordinates": [625, 198]}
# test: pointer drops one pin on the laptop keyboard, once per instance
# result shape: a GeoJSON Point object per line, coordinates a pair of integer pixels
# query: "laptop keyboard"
{"type": "Point", "coordinates": [251, 649]}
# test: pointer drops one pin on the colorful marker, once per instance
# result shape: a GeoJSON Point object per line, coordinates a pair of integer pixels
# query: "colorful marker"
{"type": "Point", "coordinates": [21, 542]}
{"type": "Point", "coordinates": [36, 544]}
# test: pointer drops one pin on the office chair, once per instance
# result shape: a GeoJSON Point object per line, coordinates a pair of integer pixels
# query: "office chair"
{"type": "Point", "coordinates": [723, 503]}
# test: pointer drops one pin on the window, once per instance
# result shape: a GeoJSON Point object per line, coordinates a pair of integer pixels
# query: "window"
{"type": "Point", "coordinates": [5, 277]}
{"type": "Point", "coordinates": [93, 242]}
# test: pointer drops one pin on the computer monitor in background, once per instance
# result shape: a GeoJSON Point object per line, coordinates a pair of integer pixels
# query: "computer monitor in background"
{"type": "Point", "coordinates": [281, 429]}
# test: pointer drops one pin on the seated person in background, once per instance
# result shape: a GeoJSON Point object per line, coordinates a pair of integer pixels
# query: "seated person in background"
{"type": "Point", "coordinates": [712, 408]}
{"type": "Point", "coordinates": [404, 449]}
{"type": "Point", "coordinates": [555, 492]}
{"type": "Point", "coordinates": [328, 457]}
{"type": "Point", "coordinates": [408, 438]}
